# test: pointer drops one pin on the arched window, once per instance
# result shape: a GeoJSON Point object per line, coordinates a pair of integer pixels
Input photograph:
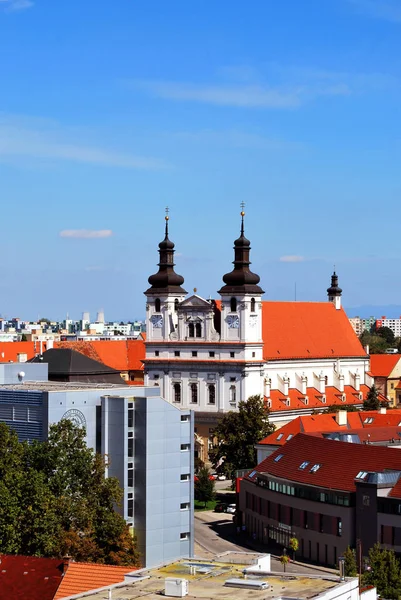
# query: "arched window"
{"type": "Point", "coordinates": [177, 392]}
{"type": "Point", "coordinates": [176, 304]}
{"type": "Point", "coordinates": [253, 305]}
{"type": "Point", "coordinates": [157, 305]}
{"type": "Point", "coordinates": [198, 329]}
{"type": "Point", "coordinates": [326, 380]}
{"type": "Point", "coordinates": [233, 394]}
{"type": "Point", "coordinates": [233, 304]}
{"type": "Point", "coordinates": [191, 330]}
{"type": "Point", "coordinates": [212, 393]}
{"type": "Point", "coordinates": [194, 393]}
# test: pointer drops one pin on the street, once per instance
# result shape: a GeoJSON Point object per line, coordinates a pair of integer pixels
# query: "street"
{"type": "Point", "coordinates": [215, 534]}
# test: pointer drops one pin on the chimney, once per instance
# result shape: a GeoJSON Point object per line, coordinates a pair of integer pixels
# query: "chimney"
{"type": "Point", "coordinates": [267, 387]}
{"type": "Point", "coordinates": [382, 410]}
{"type": "Point", "coordinates": [341, 417]}
{"type": "Point", "coordinates": [66, 564]}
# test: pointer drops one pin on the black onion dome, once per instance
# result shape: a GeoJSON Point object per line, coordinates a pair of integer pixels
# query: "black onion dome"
{"type": "Point", "coordinates": [166, 279]}
{"type": "Point", "coordinates": [241, 279]}
{"type": "Point", "coordinates": [334, 289]}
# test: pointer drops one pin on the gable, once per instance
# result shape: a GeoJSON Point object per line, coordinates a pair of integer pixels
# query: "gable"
{"type": "Point", "coordinates": [197, 302]}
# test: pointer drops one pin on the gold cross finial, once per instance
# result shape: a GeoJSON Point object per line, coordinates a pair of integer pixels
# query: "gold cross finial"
{"type": "Point", "coordinates": [167, 211]}
{"type": "Point", "coordinates": [242, 205]}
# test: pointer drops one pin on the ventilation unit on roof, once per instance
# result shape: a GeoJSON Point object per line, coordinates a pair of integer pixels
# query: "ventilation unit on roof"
{"type": "Point", "coordinates": [305, 400]}
{"type": "Point", "coordinates": [360, 396]}
{"type": "Point", "coordinates": [323, 398]}
{"type": "Point", "coordinates": [343, 398]}
{"type": "Point", "coordinates": [288, 402]}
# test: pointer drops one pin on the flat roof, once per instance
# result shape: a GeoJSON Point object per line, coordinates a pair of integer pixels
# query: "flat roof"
{"type": "Point", "coordinates": [209, 582]}
{"type": "Point", "coordinates": [62, 386]}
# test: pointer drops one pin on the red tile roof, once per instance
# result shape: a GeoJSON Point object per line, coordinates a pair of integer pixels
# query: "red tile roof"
{"type": "Point", "coordinates": [326, 423]}
{"type": "Point", "coordinates": [122, 355]}
{"type": "Point", "coordinates": [339, 462]}
{"type": "Point", "coordinates": [28, 577]}
{"type": "Point", "coordinates": [278, 402]}
{"type": "Point", "coordinates": [9, 350]}
{"type": "Point", "coordinates": [381, 365]}
{"type": "Point", "coordinates": [307, 330]}
{"type": "Point", "coordinates": [83, 577]}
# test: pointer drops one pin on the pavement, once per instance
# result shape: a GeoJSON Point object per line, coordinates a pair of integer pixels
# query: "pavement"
{"type": "Point", "coordinates": [215, 533]}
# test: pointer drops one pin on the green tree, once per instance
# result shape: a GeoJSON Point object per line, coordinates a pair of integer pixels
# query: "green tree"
{"type": "Point", "coordinates": [24, 338]}
{"type": "Point", "coordinates": [333, 408]}
{"type": "Point", "coordinates": [372, 401]}
{"type": "Point", "coordinates": [385, 573]}
{"type": "Point", "coordinates": [387, 334]}
{"type": "Point", "coordinates": [55, 500]}
{"type": "Point", "coordinates": [293, 545]}
{"type": "Point", "coordinates": [204, 486]}
{"type": "Point", "coordinates": [377, 344]}
{"type": "Point", "coordinates": [350, 566]}
{"type": "Point", "coordinates": [284, 559]}
{"type": "Point", "coordinates": [236, 436]}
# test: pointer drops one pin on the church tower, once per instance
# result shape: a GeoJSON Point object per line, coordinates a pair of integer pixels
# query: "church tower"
{"type": "Point", "coordinates": [334, 291]}
{"type": "Point", "coordinates": [241, 297]}
{"type": "Point", "coordinates": [164, 295]}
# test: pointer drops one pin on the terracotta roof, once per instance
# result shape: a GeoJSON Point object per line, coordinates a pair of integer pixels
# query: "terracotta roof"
{"type": "Point", "coordinates": [307, 330]}
{"type": "Point", "coordinates": [83, 577]}
{"type": "Point", "coordinates": [9, 350]}
{"type": "Point", "coordinates": [326, 423]}
{"type": "Point", "coordinates": [122, 355]}
{"type": "Point", "coordinates": [381, 365]}
{"type": "Point", "coordinates": [339, 462]}
{"type": "Point", "coordinates": [23, 577]}
{"type": "Point", "coordinates": [278, 402]}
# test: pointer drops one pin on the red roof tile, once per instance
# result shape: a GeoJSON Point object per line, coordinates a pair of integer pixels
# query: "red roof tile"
{"type": "Point", "coordinates": [307, 330]}
{"type": "Point", "coordinates": [340, 462]}
{"type": "Point", "coordinates": [9, 350]}
{"type": "Point", "coordinates": [83, 577]}
{"type": "Point", "coordinates": [381, 365]}
{"type": "Point", "coordinates": [28, 577]}
{"type": "Point", "coordinates": [122, 355]}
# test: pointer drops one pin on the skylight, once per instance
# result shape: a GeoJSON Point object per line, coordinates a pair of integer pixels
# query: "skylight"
{"type": "Point", "coordinates": [304, 464]}
{"type": "Point", "coordinates": [368, 420]}
{"type": "Point", "coordinates": [361, 474]}
{"type": "Point", "coordinates": [290, 436]}
{"type": "Point", "coordinates": [252, 474]}
{"type": "Point", "coordinates": [278, 457]}
{"type": "Point", "coordinates": [280, 436]}
{"type": "Point", "coordinates": [315, 468]}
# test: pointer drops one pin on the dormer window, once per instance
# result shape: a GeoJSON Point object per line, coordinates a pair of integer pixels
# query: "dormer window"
{"type": "Point", "coordinates": [253, 305]}
{"type": "Point", "coordinates": [157, 305]}
{"type": "Point", "coordinates": [233, 305]}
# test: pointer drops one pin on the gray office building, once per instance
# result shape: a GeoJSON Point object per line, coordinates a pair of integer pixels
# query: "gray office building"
{"type": "Point", "coordinates": [149, 442]}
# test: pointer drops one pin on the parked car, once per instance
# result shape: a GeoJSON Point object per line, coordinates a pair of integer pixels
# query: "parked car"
{"type": "Point", "coordinates": [221, 507]}
{"type": "Point", "coordinates": [211, 477]}
{"type": "Point", "coordinates": [221, 477]}
{"type": "Point", "coordinates": [231, 508]}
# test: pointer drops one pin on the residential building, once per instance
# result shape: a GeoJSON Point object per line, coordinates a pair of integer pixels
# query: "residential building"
{"type": "Point", "coordinates": [361, 325]}
{"type": "Point", "coordinates": [150, 444]}
{"type": "Point", "coordinates": [208, 355]}
{"type": "Point", "coordinates": [386, 371]}
{"type": "Point", "coordinates": [393, 324]}
{"type": "Point", "coordinates": [381, 427]}
{"type": "Point", "coordinates": [328, 494]}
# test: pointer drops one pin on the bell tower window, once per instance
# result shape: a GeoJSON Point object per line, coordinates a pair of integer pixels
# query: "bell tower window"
{"type": "Point", "coordinates": [233, 394]}
{"type": "Point", "coordinates": [157, 305]}
{"type": "Point", "coordinates": [177, 392]}
{"type": "Point", "coordinates": [233, 305]}
{"type": "Point", "coordinates": [212, 393]}
{"type": "Point", "coordinates": [198, 330]}
{"type": "Point", "coordinates": [191, 330]}
{"type": "Point", "coordinates": [176, 304]}
{"type": "Point", "coordinates": [253, 305]}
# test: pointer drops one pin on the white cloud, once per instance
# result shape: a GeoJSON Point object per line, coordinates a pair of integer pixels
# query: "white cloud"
{"type": "Point", "coordinates": [292, 258]}
{"type": "Point", "coordinates": [15, 5]}
{"type": "Point", "coordinates": [43, 140]}
{"type": "Point", "coordinates": [388, 10]}
{"type": "Point", "coordinates": [87, 234]}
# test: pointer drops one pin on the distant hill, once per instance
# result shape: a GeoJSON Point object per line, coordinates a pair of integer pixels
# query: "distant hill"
{"type": "Point", "coordinates": [391, 311]}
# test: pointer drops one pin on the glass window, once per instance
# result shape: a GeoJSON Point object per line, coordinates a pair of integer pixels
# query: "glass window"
{"type": "Point", "coordinates": [278, 457]}
{"type": "Point", "coordinates": [184, 506]}
{"type": "Point", "coordinates": [130, 444]}
{"type": "Point", "coordinates": [130, 414]}
{"type": "Point", "coordinates": [233, 394]}
{"type": "Point", "coordinates": [280, 435]}
{"type": "Point", "coordinates": [185, 477]}
{"type": "Point", "coordinates": [185, 447]}
{"type": "Point", "coordinates": [177, 353]}
{"type": "Point", "coordinates": [233, 305]}
{"type": "Point", "coordinates": [253, 305]}
{"type": "Point", "coordinates": [315, 468]}
{"type": "Point", "coordinates": [212, 354]}
{"type": "Point", "coordinates": [194, 393]}
{"type": "Point", "coordinates": [304, 464]}
{"type": "Point", "coordinates": [212, 393]}
{"type": "Point", "coordinates": [194, 353]}
{"type": "Point", "coordinates": [157, 305]}
{"type": "Point", "coordinates": [198, 330]}
{"type": "Point", "coordinates": [191, 330]}
{"type": "Point", "coordinates": [130, 510]}
{"type": "Point", "coordinates": [177, 392]}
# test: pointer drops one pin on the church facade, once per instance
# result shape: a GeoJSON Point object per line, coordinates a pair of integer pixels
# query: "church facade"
{"type": "Point", "coordinates": [208, 355]}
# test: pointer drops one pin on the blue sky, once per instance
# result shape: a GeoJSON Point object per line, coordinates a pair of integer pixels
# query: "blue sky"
{"type": "Point", "coordinates": [109, 111]}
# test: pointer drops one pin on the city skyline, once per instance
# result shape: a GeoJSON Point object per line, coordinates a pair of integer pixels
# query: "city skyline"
{"type": "Point", "coordinates": [107, 118]}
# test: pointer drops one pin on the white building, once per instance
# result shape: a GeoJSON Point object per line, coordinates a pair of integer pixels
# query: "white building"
{"type": "Point", "coordinates": [208, 355]}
